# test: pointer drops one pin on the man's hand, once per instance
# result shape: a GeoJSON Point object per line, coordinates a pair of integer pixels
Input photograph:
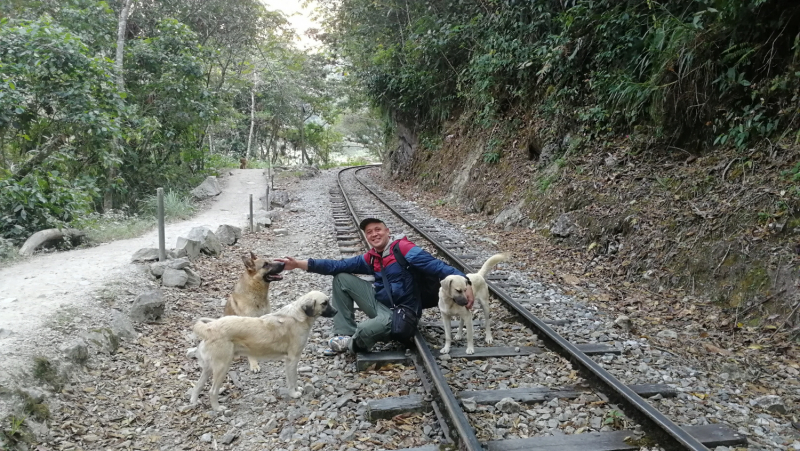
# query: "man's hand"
{"type": "Point", "coordinates": [470, 297]}
{"type": "Point", "coordinates": [291, 263]}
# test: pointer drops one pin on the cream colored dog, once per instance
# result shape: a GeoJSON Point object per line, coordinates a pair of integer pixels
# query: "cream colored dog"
{"type": "Point", "coordinates": [452, 303]}
{"type": "Point", "coordinates": [279, 335]}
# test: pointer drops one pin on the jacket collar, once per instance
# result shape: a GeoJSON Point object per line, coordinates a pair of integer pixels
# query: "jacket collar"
{"type": "Point", "coordinates": [387, 250]}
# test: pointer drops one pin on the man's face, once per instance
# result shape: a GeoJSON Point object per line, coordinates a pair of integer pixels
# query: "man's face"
{"type": "Point", "coordinates": [377, 235]}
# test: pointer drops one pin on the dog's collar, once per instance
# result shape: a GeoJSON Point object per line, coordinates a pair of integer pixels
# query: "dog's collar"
{"type": "Point", "coordinates": [469, 282]}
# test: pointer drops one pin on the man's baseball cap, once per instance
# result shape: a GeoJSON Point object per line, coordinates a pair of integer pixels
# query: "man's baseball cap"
{"type": "Point", "coordinates": [369, 221]}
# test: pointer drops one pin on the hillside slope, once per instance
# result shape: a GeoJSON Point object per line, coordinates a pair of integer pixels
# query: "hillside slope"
{"type": "Point", "coordinates": [722, 228]}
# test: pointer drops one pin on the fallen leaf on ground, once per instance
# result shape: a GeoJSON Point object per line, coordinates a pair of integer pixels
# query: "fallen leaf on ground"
{"type": "Point", "coordinates": [715, 349]}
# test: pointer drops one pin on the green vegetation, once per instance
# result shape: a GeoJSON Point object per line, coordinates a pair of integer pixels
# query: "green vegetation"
{"type": "Point", "coordinates": [14, 432]}
{"type": "Point", "coordinates": [33, 407]}
{"type": "Point", "coordinates": [176, 206]}
{"type": "Point", "coordinates": [46, 372]}
{"type": "Point", "coordinates": [199, 86]}
{"type": "Point", "coordinates": [349, 162]}
{"type": "Point", "coordinates": [687, 73]}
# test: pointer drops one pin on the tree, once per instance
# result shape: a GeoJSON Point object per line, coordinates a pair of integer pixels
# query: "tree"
{"type": "Point", "coordinates": [108, 197]}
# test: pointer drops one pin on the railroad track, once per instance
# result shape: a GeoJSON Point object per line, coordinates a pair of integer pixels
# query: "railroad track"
{"type": "Point", "coordinates": [461, 411]}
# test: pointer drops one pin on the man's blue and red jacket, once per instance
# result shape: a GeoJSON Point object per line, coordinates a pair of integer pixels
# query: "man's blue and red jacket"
{"type": "Point", "coordinates": [401, 281]}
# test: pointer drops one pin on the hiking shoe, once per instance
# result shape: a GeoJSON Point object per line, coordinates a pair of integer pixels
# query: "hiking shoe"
{"type": "Point", "coordinates": [338, 345]}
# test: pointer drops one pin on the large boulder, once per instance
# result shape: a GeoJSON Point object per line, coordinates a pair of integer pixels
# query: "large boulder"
{"type": "Point", "coordinates": [193, 278]}
{"type": "Point", "coordinates": [174, 278]}
{"type": "Point", "coordinates": [157, 268]}
{"type": "Point", "coordinates": [121, 325]}
{"type": "Point", "coordinates": [280, 198]}
{"type": "Point", "coordinates": [209, 243]}
{"type": "Point", "coordinates": [186, 247]}
{"type": "Point", "coordinates": [228, 234]}
{"type": "Point", "coordinates": [209, 188]}
{"type": "Point", "coordinates": [148, 306]}
{"type": "Point", "coordinates": [103, 340]}
{"type": "Point", "coordinates": [563, 226]}
{"type": "Point", "coordinates": [262, 220]}
{"type": "Point", "coordinates": [146, 254]}
{"type": "Point", "coordinates": [511, 216]}
{"type": "Point", "coordinates": [76, 351]}
{"type": "Point", "coordinates": [179, 263]}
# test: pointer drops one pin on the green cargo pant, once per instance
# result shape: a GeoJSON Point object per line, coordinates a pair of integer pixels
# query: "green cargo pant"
{"type": "Point", "coordinates": [349, 290]}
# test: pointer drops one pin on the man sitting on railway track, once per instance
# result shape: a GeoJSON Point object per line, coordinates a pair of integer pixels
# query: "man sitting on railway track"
{"type": "Point", "coordinates": [390, 302]}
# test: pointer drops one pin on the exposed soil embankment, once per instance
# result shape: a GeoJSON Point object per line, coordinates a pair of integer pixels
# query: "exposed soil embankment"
{"type": "Point", "coordinates": [723, 227]}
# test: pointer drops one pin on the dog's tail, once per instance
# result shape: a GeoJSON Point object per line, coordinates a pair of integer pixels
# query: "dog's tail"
{"type": "Point", "coordinates": [491, 262]}
{"type": "Point", "coordinates": [201, 327]}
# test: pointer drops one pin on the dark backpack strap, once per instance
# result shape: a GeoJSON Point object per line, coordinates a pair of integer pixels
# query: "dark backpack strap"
{"type": "Point", "coordinates": [401, 259]}
{"type": "Point", "coordinates": [386, 285]}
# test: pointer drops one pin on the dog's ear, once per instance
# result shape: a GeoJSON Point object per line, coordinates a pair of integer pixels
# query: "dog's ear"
{"type": "Point", "coordinates": [249, 262]}
{"type": "Point", "coordinates": [253, 256]}
{"type": "Point", "coordinates": [446, 284]}
{"type": "Point", "coordinates": [308, 307]}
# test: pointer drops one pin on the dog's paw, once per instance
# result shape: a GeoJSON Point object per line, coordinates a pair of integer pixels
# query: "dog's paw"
{"type": "Point", "coordinates": [255, 367]}
{"type": "Point", "coordinates": [457, 337]}
{"type": "Point", "coordinates": [470, 350]}
{"type": "Point", "coordinates": [218, 408]}
{"type": "Point", "coordinates": [489, 340]}
{"type": "Point", "coordinates": [445, 350]}
{"type": "Point", "coordinates": [295, 394]}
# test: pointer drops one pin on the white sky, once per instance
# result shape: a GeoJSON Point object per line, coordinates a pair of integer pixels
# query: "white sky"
{"type": "Point", "coordinates": [299, 18]}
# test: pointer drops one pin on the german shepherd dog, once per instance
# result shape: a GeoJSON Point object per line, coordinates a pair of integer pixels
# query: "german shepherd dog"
{"type": "Point", "coordinates": [279, 335]}
{"type": "Point", "coordinates": [250, 295]}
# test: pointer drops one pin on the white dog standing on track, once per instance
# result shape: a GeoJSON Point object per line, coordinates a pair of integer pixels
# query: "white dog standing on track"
{"type": "Point", "coordinates": [452, 303]}
{"type": "Point", "coordinates": [279, 335]}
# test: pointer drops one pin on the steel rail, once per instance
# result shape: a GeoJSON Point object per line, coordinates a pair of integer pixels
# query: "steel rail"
{"type": "Point", "coordinates": [673, 436]}
{"type": "Point", "coordinates": [456, 418]}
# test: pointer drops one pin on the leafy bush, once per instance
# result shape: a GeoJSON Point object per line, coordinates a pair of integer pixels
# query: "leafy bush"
{"type": "Point", "coordinates": [114, 225]}
{"type": "Point", "coordinates": [696, 72]}
{"type": "Point", "coordinates": [176, 206]}
{"type": "Point", "coordinates": [42, 201]}
{"type": "Point", "coordinates": [217, 161]}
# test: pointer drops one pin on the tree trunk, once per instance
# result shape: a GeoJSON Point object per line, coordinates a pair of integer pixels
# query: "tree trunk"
{"type": "Point", "coordinates": [108, 196]}
{"type": "Point", "coordinates": [122, 27]}
{"type": "Point", "coordinates": [43, 236]}
{"type": "Point", "coordinates": [252, 119]}
{"type": "Point", "coordinates": [303, 155]}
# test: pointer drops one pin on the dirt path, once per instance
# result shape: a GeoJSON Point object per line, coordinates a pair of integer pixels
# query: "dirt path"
{"type": "Point", "coordinates": [36, 287]}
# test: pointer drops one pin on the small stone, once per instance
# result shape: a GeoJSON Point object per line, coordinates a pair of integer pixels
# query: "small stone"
{"type": "Point", "coordinates": [344, 399]}
{"type": "Point", "coordinates": [469, 404]}
{"type": "Point", "coordinates": [771, 403]}
{"type": "Point", "coordinates": [228, 438]}
{"type": "Point", "coordinates": [668, 334]}
{"type": "Point", "coordinates": [508, 405]}
{"type": "Point", "coordinates": [623, 322]}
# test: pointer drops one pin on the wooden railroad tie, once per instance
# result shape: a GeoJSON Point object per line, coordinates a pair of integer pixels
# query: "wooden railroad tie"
{"type": "Point", "coordinates": [368, 360]}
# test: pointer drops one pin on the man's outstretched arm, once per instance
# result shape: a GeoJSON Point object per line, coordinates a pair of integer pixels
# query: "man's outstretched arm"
{"type": "Point", "coordinates": [292, 263]}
